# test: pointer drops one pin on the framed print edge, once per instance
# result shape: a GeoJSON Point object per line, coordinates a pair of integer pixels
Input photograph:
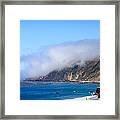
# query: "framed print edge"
{"type": "Point", "coordinates": [2, 61]}
{"type": "Point", "coordinates": [0, 66]}
{"type": "Point", "coordinates": [117, 39]}
{"type": "Point", "coordinates": [61, 2]}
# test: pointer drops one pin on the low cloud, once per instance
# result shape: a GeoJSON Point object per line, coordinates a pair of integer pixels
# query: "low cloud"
{"type": "Point", "coordinates": [57, 57]}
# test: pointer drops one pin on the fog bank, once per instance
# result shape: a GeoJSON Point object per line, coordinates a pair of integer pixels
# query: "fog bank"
{"type": "Point", "coordinates": [57, 57]}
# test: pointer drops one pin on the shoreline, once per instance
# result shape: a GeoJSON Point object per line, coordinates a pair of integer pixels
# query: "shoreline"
{"type": "Point", "coordinates": [92, 97]}
{"type": "Point", "coordinates": [81, 82]}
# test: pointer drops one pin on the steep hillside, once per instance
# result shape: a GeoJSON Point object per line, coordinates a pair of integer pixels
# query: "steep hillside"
{"type": "Point", "coordinates": [89, 71]}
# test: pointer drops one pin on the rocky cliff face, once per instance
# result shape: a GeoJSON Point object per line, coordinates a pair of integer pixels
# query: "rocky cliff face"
{"type": "Point", "coordinates": [89, 71]}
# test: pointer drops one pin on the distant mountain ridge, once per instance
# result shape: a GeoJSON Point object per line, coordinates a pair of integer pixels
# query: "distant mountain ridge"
{"type": "Point", "coordinates": [89, 71]}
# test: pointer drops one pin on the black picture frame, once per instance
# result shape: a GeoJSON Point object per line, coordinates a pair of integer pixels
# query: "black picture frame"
{"type": "Point", "coordinates": [2, 56]}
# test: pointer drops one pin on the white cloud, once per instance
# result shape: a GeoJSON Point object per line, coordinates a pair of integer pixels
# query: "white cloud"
{"type": "Point", "coordinates": [58, 56]}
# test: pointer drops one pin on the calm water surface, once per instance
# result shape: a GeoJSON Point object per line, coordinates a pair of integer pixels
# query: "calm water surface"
{"type": "Point", "coordinates": [56, 91]}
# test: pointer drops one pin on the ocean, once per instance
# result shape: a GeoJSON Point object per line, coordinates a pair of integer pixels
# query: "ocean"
{"type": "Point", "coordinates": [56, 91]}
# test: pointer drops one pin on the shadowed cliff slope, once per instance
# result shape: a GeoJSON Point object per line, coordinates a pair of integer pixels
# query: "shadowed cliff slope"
{"type": "Point", "coordinates": [88, 71]}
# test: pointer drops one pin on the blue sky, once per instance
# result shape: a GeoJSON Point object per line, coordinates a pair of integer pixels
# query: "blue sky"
{"type": "Point", "coordinates": [35, 34]}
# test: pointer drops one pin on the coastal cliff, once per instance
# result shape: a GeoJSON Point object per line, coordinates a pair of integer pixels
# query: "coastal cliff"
{"type": "Point", "coordinates": [87, 72]}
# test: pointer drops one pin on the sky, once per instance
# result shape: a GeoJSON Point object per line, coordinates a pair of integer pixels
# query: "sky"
{"type": "Point", "coordinates": [35, 34]}
{"type": "Point", "coordinates": [47, 45]}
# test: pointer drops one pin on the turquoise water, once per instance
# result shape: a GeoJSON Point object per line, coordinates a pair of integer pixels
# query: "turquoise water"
{"type": "Point", "coordinates": [56, 91]}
